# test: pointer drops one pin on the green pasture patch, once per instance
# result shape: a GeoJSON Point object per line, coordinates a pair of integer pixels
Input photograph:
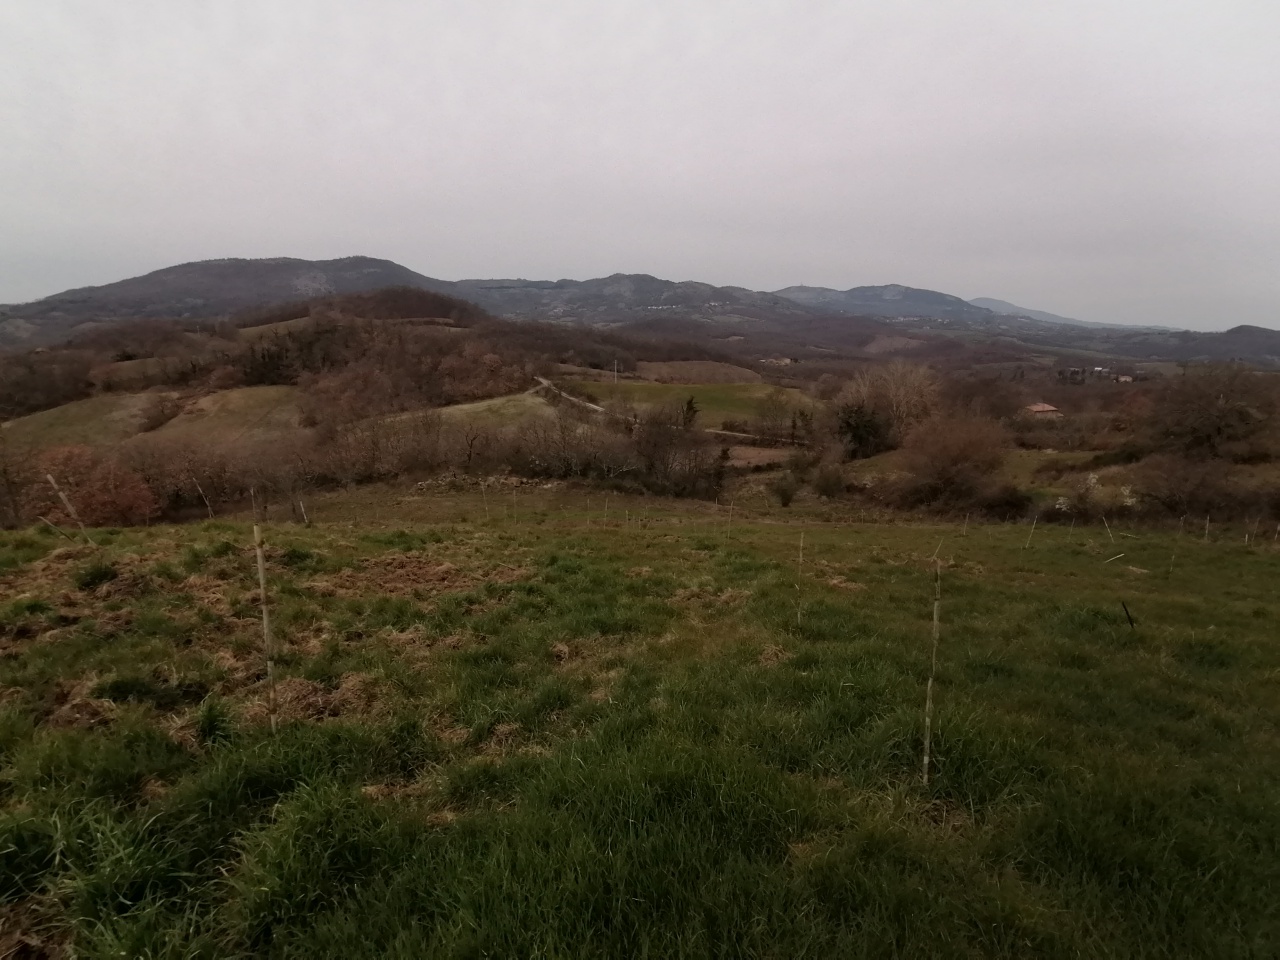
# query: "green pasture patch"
{"type": "Point", "coordinates": [642, 740]}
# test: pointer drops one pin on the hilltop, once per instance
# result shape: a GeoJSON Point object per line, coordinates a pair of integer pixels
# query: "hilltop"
{"type": "Point", "coordinates": [205, 288]}
{"type": "Point", "coordinates": [624, 296]}
{"type": "Point", "coordinates": [889, 300]}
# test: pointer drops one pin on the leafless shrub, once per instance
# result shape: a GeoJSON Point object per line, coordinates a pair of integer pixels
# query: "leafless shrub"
{"type": "Point", "coordinates": [226, 377]}
{"type": "Point", "coordinates": [784, 488]}
{"type": "Point", "coordinates": [1226, 412]}
{"type": "Point", "coordinates": [158, 410]}
{"type": "Point", "coordinates": [955, 451]}
{"type": "Point", "coordinates": [979, 396]}
{"type": "Point", "coordinates": [103, 491]}
{"type": "Point", "coordinates": [1181, 486]}
{"type": "Point", "coordinates": [899, 393]}
{"type": "Point", "coordinates": [17, 473]}
{"type": "Point", "coordinates": [828, 481]}
{"type": "Point", "coordinates": [952, 460]}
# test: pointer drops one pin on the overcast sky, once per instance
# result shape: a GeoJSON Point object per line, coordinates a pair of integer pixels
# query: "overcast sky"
{"type": "Point", "coordinates": [1114, 161]}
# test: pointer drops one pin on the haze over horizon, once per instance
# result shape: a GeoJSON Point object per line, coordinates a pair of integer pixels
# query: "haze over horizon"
{"type": "Point", "coordinates": [1104, 161]}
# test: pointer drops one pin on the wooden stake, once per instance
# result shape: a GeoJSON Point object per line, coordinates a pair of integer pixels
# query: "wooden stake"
{"type": "Point", "coordinates": [933, 670]}
{"type": "Point", "coordinates": [1206, 528]}
{"type": "Point", "coordinates": [939, 548]}
{"type": "Point", "coordinates": [1032, 533]}
{"type": "Point", "coordinates": [484, 498]}
{"type": "Point", "coordinates": [267, 642]}
{"type": "Point", "coordinates": [1108, 526]}
{"type": "Point", "coordinates": [799, 574]}
{"type": "Point", "coordinates": [965, 531]}
{"type": "Point", "coordinates": [71, 511]}
{"type": "Point", "coordinates": [306, 521]}
{"type": "Point", "coordinates": [1116, 557]}
{"type": "Point", "coordinates": [200, 490]}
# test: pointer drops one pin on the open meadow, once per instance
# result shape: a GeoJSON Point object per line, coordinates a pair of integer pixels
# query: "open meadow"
{"type": "Point", "coordinates": [716, 402]}
{"type": "Point", "coordinates": [529, 723]}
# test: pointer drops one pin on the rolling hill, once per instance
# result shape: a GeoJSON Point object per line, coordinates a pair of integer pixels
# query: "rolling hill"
{"type": "Point", "coordinates": [789, 321]}
{"type": "Point", "coordinates": [890, 300]}
{"type": "Point", "coordinates": [624, 297]}
{"type": "Point", "coordinates": [206, 288]}
{"type": "Point", "coordinates": [1005, 308]}
{"type": "Point", "coordinates": [212, 288]}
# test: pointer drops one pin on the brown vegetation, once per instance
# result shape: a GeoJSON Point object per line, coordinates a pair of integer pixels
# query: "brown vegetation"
{"type": "Point", "coordinates": [102, 490]}
{"type": "Point", "coordinates": [1224, 412]}
{"type": "Point", "coordinates": [364, 375]}
{"type": "Point", "coordinates": [953, 460]}
{"type": "Point", "coordinates": [900, 394]}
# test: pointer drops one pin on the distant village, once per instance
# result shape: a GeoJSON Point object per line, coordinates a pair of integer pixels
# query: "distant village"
{"type": "Point", "coordinates": [1087, 374]}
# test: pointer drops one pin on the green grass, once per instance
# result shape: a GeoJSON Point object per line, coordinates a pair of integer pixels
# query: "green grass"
{"type": "Point", "coordinates": [97, 421]}
{"type": "Point", "coordinates": [566, 736]}
{"type": "Point", "coordinates": [716, 402]}
{"type": "Point", "coordinates": [500, 411]}
{"type": "Point", "coordinates": [115, 417]}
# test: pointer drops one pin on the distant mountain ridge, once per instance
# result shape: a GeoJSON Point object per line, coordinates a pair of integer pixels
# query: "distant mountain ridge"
{"type": "Point", "coordinates": [889, 300]}
{"type": "Point", "coordinates": [1005, 308]}
{"type": "Point", "coordinates": [212, 288]}
{"type": "Point", "coordinates": [656, 307]}
{"type": "Point", "coordinates": [622, 297]}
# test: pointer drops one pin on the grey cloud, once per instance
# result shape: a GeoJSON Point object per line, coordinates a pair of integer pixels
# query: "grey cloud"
{"type": "Point", "coordinates": [1111, 161]}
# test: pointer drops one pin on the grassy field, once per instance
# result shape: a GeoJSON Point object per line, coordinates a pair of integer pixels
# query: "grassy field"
{"type": "Point", "coordinates": [97, 421]}
{"type": "Point", "coordinates": [716, 401]}
{"type": "Point", "coordinates": [695, 371]}
{"type": "Point", "coordinates": [511, 726]}
{"type": "Point", "coordinates": [1018, 469]}
{"type": "Point", "coordinates": [111, 418]}
{"type": "Point", "coordinates": [229, 415]}
{"type": "Point", "coordinates": [501, 411]}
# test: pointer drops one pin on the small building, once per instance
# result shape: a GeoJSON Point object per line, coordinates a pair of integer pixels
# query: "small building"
{"type": "Point", "coordinates": [1042, 411]}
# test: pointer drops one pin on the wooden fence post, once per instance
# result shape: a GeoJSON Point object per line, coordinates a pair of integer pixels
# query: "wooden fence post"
{"type": "Point", "coordinates": [66, 502]}
{"type": "Point", "coordinates": [267, 641]}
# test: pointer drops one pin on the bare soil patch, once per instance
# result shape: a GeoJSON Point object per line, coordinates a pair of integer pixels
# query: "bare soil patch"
{"type": "Point", "coordinates": [696, 371]}
{"type": "Point", "coordinates": [357, 694]}
{"type": "Point", "coordinates": [411, 574]}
